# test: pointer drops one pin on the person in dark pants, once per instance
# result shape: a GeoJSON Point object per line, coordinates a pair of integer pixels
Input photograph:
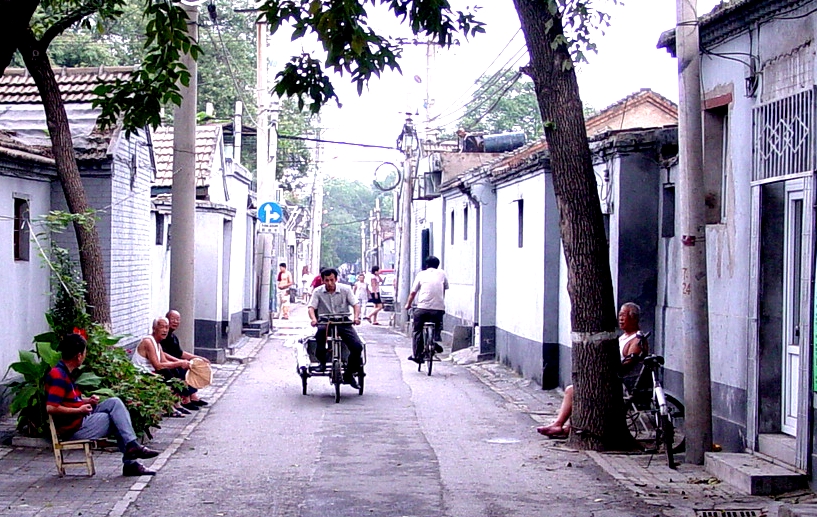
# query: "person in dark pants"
{"type": "Point", "coordinates": [172, 347]}
{"type": "Point", "coordinates": [429, 290]}
{"type": "Point", "coordinates": [80, 418]}
{"type": "Point", "coordinates": [333, 298]}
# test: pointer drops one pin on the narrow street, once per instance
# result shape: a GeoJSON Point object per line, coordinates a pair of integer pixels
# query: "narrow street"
{"type": "Point", "coordinates": [412, 445]}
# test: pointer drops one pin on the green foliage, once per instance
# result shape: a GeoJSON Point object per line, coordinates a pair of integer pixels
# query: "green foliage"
{"type": "Point", "coordinates": [107, 370]}
{"type": "Point", "coordinates": [346, 205]}
{"type": "Point", "coordinates": [496, 108]}
{"type": "Point", "coordinates": [579, 18]}
{"type": "Point", "coordinates": [293, 156]}
{"type": "Point", "coordinates": [28, 394]}
{"type": "Point", "coordinates": [138, 101]}
{"type": "Point", "coordinates": [350, 45]}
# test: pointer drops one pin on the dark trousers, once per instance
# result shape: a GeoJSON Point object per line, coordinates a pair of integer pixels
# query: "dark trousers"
{"type": "Point", "coordinates": [177, 373]}
{"type": "Point", "coordinates": [421, 316]}
{"type": "Point", "coordinates": [350, 339]}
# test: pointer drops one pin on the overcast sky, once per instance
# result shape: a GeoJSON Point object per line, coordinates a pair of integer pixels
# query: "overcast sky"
{"type": "Point", "coordinates": [627, 61]}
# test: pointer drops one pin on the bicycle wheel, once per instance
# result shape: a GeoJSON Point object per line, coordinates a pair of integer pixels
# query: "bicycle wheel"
{"type": "Point", "coordinates": [360, 377]}
{"type": "Point", "coordinates": [676, 413]}
{"type": "Point", "coordinates": [667, 437]}
{"type": "Point", "coordinates": [337, 378]}
{"type": "Point", "coordinates": [428, 342]}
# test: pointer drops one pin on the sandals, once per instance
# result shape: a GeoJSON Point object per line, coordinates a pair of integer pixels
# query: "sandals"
{"type": "Point", "coordinates": [375, 323]}
{"type": "Point", "coordinates": [174, 414]}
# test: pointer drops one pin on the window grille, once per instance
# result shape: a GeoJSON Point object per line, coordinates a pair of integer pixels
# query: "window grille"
{"type": "Point", "coordinates": [783, 135]}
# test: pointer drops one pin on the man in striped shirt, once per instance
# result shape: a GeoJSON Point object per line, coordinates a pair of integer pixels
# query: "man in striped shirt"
{"type": "Point", "coordinates": [80, 418]}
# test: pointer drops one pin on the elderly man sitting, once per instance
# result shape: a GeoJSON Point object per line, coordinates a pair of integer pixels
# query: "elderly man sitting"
{"type": "Point", "coordinates": [150, 358]}
{"type": "Point", "coordinates": [80, 418]}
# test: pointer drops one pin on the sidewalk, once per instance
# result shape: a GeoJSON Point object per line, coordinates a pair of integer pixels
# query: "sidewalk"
{"type": "Point", "coordinates": [29, 485]}
{"type": "Point", "coordinates": [679, 492]}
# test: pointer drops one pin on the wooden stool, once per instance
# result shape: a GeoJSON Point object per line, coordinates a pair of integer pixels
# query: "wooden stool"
{"type": "Point", "coordinates": [60, 446]}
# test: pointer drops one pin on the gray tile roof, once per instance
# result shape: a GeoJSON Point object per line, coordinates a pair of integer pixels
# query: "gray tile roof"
{"type": "Point", "coordinates": [208, 138]}
{"type": "Point", "coordinates": [76, 84]}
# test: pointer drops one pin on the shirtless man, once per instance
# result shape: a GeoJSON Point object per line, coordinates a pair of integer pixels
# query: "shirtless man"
{"type": "Point", "coordinates": [284, 283]}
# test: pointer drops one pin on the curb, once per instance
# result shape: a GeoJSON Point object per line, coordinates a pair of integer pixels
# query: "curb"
{"type": "Point", "coordinates": [142, 482]}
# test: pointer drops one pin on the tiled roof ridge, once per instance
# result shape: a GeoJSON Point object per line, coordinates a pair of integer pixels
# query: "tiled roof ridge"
{"type": "Point", "coordinates": [642, 93]}
{"type": "Point", "coordinates": [68, 71]}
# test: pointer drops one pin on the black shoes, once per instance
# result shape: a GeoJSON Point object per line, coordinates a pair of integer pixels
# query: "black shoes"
{"type": "Point", "coordinates": [199, 403]}
{"type": "Point", "coordinates": [184, 411]}
{"type": "Point", "coordinates": [136, 469]}
{"type": "Point", "coordinates": [438, 348]}
{"type": "Point", "coordinates": [419, 360]}
{"type": "Point", "coordinates": [321, 368]}
{"type": "Point", "coordinates": [351, 381]}
{"type": "Point", "coordinates": [191, 406]}
{"type": "Point", "coordinates": [139, 452]}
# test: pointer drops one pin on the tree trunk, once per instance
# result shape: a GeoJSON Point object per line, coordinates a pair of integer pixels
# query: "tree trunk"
{"type": "Point", "coordinates": [90, 252]}
{"type": "Point", "coordinates": [598, 417]}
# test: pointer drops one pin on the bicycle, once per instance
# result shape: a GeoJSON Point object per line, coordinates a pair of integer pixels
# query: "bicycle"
{"type": "Point", "coordinates": [429, 345]}
{"type": "Point", "coordinates": [654, 417]}
{"type": "Point", "coordinates": [307, 367]}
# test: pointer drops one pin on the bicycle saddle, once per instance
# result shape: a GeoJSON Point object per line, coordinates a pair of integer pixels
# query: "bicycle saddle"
{"type": "Point", "coordinates": [654, 360]}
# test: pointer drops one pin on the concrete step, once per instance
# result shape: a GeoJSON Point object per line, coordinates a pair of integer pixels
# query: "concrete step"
{"type": "Point", "coordinates": [798, 510]}
{"type": "Point", "coordinates": [753, 475]}
{"type": "Point", "coordinates": [256, 328]}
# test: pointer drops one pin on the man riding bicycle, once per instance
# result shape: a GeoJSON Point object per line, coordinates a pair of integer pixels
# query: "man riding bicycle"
{"type": "Point", "coordinates": [429, 289]}
{"type": "Point", "coordinates": [333, 298]}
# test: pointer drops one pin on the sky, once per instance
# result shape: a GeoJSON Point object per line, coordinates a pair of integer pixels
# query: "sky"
{"type": "Point", "coordinates": [627, 60]}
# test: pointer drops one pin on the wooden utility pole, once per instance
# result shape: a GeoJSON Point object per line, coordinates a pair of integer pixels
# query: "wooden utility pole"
{"type": "Point", "coordinates": [409, 137]}
{"type": "Point", "coordinates": [697, 390]}
{"type": "Point", "coordinates": [183, 204]}
{"type": "Point", "coordinates": [316, 233]}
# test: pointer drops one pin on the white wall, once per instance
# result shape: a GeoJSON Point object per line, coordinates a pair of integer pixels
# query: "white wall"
{"type": "Point", "coordinates": [209, 247]}
{"type": "Point", "coordinates": [25, 283]}
{"type": "Point", "coordinates": [160, 267]}
{"type": "Point", "coordinates": [460, 257]}
{"type": "Point", "coordinates": [519, 270]}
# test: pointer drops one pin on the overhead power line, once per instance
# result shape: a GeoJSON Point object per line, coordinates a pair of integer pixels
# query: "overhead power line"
{"type": "Point", "coordinates": [291, 137]}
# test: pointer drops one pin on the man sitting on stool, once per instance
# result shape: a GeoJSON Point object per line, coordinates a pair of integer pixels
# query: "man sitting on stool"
{"type": "Point", "coordinates": [79, 418]}
{"type": "Point", "coordinates": [335, 298]}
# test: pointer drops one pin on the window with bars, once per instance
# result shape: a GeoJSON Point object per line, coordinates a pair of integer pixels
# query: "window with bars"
{"type": "Point", "coordinates": [783, 136]}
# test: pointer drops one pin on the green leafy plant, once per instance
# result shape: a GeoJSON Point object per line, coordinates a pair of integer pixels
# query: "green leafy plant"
{"type": "Point", "coordinates": [107, 370]}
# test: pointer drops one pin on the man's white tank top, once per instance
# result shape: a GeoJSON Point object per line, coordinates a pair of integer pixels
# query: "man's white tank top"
{"type": "Point", "coordinates": [141, 362]}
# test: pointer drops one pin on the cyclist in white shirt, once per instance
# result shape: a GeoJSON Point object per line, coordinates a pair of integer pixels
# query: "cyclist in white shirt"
{"type": "Point", "coordinates": [429, 290]}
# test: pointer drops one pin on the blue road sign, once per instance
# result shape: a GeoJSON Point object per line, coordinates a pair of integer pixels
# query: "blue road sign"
{"type": "Point", "coordinates": [270, 213]}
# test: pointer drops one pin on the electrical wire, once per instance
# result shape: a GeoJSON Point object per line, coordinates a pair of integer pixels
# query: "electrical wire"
{"type": "Point", "coordinates": [496, 102]}
{"type": "Point", "coordinates": [476, 81]}
{"type": "Point", "coordinates": [304, 138]}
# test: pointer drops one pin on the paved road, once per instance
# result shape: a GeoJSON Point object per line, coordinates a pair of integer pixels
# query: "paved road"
{"type": "Point", "coordinates": [412, 445]}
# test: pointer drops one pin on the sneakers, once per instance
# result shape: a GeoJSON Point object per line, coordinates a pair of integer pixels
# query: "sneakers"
{"type": "Point", "coordinates": [139, 452]}
{"type": "Point", "coordinates": [136, 469]}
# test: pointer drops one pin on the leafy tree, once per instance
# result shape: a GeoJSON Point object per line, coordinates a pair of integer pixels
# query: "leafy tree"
{"type": "Point", "coordinates": [497, 107]}
{"type": "Point", "coordinates": [557, 32]}
{"type": "Point", "coordinates": [346, 205]}
{"type": "Point", "coordinates": [30, 27]}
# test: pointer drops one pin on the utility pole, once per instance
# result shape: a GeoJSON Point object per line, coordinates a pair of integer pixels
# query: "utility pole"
{"type": "Point", "coordinates": [409, 138]}
{"type": "Point", "coordinates": [265, 176]}
{"type": "Point", "coordinates": [317, 207]}
{"type": "Point", "coordinates": [183, 204]}
{"type": "Point", "coordinates": [697, 387]}
{"type": "Point", "coordinates": [363, 245]}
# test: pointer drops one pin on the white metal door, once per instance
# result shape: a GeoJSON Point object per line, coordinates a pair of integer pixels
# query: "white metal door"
{"type": "Point", "coordinates": [792, 283]}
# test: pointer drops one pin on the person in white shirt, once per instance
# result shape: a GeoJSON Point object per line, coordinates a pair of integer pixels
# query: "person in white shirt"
{"type": "Point", "coordinates": [361, 293]}
{"type": "Point", "coordinates": [429, 290]}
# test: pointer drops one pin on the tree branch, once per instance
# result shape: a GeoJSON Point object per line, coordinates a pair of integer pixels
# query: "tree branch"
{"type": "Point", "coordinates": [69, 20]}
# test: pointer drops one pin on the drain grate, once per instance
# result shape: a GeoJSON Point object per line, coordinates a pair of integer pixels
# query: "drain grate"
{"type": "Point", "coordinates": [743, 512]}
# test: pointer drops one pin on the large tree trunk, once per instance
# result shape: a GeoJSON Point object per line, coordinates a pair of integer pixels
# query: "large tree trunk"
{"type": "Point", "coordinates": [598, 418]}
{"type": "Point", "coordinates": [90, 252]}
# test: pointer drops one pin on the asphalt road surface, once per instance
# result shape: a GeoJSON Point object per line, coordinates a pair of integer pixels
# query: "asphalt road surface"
{"type": "Point", "coordinates": [412, 445]}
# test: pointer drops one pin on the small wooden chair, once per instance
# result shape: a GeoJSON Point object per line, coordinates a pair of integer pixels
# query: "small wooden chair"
{"type": "Point", "coordinates": [60, 446]}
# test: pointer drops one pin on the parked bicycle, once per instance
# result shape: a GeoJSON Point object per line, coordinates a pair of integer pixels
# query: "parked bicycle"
{"type": "Point", "coordinates": [654, 418]}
